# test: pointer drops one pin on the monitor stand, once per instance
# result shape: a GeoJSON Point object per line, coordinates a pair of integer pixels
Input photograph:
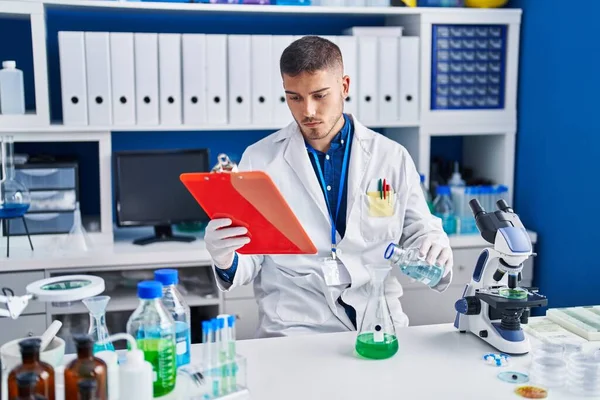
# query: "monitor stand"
{"type": "Point", "coordinates": [163, 233]}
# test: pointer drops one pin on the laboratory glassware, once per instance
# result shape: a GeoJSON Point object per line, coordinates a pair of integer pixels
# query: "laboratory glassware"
{"type": "Point", "coordinates": [30, 354]}
{"type": "Point", "coordinates": [444, 209]}
{"type": "Point", "coordinates": [180, 311]}
{"type": "Point", "coordinates": [414, 265]}
{"type": "Point", "coordinates": [14, 196]}
{"type": "Point", "coordinates": [153, 328]}
{"type": "Point", "coordinates": [26, 383]}
{"type": "Point", "coordinates": [85, 366]}
{"type": "Point", "coordinates": [98, 329]}
{"type": "Point", "coordinates": [377, 335]}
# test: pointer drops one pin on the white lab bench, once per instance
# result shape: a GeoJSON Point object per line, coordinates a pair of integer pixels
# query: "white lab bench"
{"type": "Point", "coordinates": [433, 362]}
{"type": "Point", "coordinates": [121, 258]}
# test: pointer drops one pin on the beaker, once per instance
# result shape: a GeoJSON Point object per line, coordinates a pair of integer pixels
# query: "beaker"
{"type": "Point", "coordinates": [14, 196]}
{"type": "Point", "coordinates": [98, 329]}
{"type": "Point", "coordinates": [376, 335]}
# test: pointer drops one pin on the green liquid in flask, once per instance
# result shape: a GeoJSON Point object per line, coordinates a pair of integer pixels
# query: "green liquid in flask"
{"type": "Point", "coordinates": [367, 347]}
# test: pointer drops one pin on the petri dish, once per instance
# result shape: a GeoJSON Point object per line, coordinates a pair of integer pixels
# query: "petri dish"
{"type": "Point", "coordinates": [513, 377]}
{"type": "Point", "coordinates": [549, 372]}
{"type": "Point", "coordinates": [548, 349]}
{"type": "Point", "coordinates": [517, 293]}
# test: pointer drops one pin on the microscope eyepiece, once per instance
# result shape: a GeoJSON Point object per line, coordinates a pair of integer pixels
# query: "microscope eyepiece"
{"type": "Point", "coordinates": [503, 206]}
{"type": "Point", "coordinates": [476, 207]}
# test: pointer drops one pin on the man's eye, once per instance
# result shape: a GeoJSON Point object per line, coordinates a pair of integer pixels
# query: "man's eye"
{"type": "Point", "coordinates": [320, 96]}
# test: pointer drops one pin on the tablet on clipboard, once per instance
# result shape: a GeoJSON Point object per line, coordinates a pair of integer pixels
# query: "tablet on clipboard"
{"type": "Point", "coordinates": [252, 200]}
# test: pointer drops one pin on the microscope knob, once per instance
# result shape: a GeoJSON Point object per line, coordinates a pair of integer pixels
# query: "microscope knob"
{"type": "Point", "coordinates": [469, 305]}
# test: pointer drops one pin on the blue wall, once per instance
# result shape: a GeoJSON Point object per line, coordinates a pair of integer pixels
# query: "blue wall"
{"type": "Point", "coordinates": [558, 144]}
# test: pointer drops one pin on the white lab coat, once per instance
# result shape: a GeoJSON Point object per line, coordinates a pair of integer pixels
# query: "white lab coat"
{"type": "Point", "coordinates": [291, 291]}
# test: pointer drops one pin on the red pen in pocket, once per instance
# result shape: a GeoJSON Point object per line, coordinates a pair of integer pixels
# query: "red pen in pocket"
{"type": "Point", "coordinates": [384, 189]}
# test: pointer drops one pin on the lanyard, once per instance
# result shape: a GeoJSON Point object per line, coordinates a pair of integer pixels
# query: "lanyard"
{"type": "Point", "coordinates": [333, 218]}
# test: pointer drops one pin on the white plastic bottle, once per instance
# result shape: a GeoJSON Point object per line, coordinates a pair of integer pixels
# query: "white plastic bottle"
{"type": "Point", "coordinates": [12, 92]}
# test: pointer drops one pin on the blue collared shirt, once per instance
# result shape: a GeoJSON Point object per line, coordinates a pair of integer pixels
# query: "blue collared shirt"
{"type": "Point", "coordinates": [331, 164]}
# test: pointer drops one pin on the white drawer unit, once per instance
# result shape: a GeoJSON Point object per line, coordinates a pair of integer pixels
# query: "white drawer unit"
{"type": "Point", "coordinates": [16, 282]}
{"type": "Point", "coordinates": [43, 223]}
{"type": "Point", "coordinates": [45, 177]}
{"type": "Point", "coordinates": [23, 327]}
{"type": "Point", "coordinates": [53, 200]}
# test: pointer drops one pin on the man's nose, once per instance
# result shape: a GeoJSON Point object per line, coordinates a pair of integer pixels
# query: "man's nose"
{"type": "Point", "coordinates": [310, 109]}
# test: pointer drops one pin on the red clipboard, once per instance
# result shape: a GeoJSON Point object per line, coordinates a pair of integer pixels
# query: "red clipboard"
{"type": "Point", "coordinates": [252, 200]}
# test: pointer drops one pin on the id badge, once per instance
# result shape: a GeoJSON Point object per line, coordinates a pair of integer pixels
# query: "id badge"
{"type": "Point", "coordinates": [334, 272]}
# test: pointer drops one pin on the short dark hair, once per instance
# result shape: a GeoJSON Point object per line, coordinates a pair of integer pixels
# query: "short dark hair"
{"type": "Point", "coordinates": [310, 54]}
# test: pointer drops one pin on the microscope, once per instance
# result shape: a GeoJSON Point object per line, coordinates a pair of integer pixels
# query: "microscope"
{"type": "Point", "coordinates": [490, 309]}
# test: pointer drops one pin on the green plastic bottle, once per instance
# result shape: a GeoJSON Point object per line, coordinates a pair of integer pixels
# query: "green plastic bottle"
{"type": "Point", "coordinates": [377, 336]}
{"type": "Point", "coordinates": [153, 328]}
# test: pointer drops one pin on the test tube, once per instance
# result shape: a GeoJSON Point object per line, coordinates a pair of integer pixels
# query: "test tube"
{"type": "Point", "coordinates": [223, 347]}
{"type": "Point", "coordinates": [232, 352]}
{"type": "Point", "coordinates": [214, 355]}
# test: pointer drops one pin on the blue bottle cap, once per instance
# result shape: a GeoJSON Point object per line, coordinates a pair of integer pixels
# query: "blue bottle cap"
{"type": "Point", "coordinates": [230, 321]}
{"type": "Point", "coordinates": [148, 290]}
{"type": "Point", "coordinates": [166, 276]}
{"type": "Point", "coordinates": [221, 323]}
{"type": "Point", "coordinates": [206, 326]}
{"type": "Point", "coordinates": [442, 190]}
{"type": "Point", "coordinates": [215, 324]}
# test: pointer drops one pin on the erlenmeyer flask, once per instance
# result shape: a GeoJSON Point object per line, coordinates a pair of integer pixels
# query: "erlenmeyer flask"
{"type": "Point", "coordinates": [98, 329]}
{"type": "Point", "coordinates": [376, 335]}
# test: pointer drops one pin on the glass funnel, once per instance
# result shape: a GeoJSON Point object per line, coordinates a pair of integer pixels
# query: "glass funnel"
{"type": "Point", "coordinates": [376, 335]}
{"type": "Point", "coordinates": [98, 330]}
{"type": "Point", "coordinates": [14, 196]}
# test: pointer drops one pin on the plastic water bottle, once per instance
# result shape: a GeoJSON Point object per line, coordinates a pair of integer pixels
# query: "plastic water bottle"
{"type": "Point", "coordinates": [180, 311]}
{"type": "Point", "coordinates": [426, 194]}
{"type": "Point", "coordinates": [444, 209]}
{"type": "Point", "coordinates": [12, 93]}
{"type": "Point", "coordinates": [414, 265]}
{"type": "Point", "coordinates": [153, 328]}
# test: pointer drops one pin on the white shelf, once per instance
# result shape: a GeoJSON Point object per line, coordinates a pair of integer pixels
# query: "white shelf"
{"type": "Point", "coordinates": [127, 300]}
{"type": "Point", "coordinates": [272, 9]}
{"type": "Point", "coordinates": [24, 122]}
{"type": "Point", "coordinates": [59, 128]}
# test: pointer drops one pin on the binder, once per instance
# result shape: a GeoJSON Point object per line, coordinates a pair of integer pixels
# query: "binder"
{"type": "Point", "coordinates": [281, 112]}
{"type": "Point", "coordinates": [194, 79]}
{"type": "Point", "coordinates": [367, 79]}
{"type": "Point", "coordinates": [409, 78]}
{"type": "Point", "coordinates": [216, 79]}
{"type": "Point", "coordinates": [262, 69]}
{"type": "Point", "coordinates": [169, 72]}
{"type": "Point", "coordinates": [97, 62]}
{"type": "Point", "coordinates": [238, 66]}
{"type": "Point", "coordinates": [71, 51]}
{"type": "Point", "coordinates": [146, 78]}
{"type": "Point", "coordinates": [122, 67]}
{"type": "Point", "coordinates": [348, 47]}
{"type": "Point", "coordinates": [388, 78]}
{"type": "Point", "coordinates": [252, 200]}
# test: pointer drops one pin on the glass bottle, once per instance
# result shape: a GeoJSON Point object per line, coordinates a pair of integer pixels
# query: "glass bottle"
{"type": "Point", "coordinates": [87, 389]}
{"type": "Point", "coordinates": [30, 354]}
{"type": "Point", "coordinates": [444, 209]}
{"type": "Point", "coordinates": [85, 366]}
{"type": "Point", "coordinates": [377, 335]}
{"type": "Point", "coordinates": [180, 311]}
{"type": "Point", "coordinates": [26, 383]}
{"type": "Point", "coordinates": [98, 330]}
{"type": "Point", "coordinates": [153, 328]}
{"type": "Point", "coordinates": [14, 196]}
{"type": "Point", "coordinates": [415, 266]}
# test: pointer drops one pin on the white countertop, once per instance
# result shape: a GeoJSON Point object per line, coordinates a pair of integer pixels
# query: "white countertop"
{"type": "Point", "coordinates": [433, 362]}
{"type": "Point", "coordinates": [119, 251]}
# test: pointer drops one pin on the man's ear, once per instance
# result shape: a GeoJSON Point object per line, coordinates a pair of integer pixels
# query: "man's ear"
{"type": "Point", "coordinates": [345, 85]}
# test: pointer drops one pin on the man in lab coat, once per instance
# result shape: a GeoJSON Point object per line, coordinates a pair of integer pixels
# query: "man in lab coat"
{"type": "Point", "coordinates": [325, 163]}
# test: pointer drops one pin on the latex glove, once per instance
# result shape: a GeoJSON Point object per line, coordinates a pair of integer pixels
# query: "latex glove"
{"type": "Point", "coordinates": [222, 242]}
{"type": "Point", "coordinates": [437, 254]}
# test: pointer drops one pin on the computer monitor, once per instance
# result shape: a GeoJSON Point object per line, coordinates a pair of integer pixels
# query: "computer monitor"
{"type": "Point", "coordinates": [149, 192]}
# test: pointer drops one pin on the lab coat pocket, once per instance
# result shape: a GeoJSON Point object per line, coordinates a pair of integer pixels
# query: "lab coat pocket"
{"type": "Point", "coordinates": [302, 299]}
{"type": "Point", "coordinates": [380, 218]}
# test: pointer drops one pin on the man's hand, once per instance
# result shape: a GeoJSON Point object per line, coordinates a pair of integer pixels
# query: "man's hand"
{"type": "Point", "coordinates": [222, 242]}
{"type": "Point", "coordinates": [437, 254]}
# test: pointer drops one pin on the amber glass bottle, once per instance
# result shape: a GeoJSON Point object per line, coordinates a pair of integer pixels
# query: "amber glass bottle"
{"type": "Point", "coordinates": [30, 354]}
{"type": "Point", "coordinates": [85, 367]}
{"type": "Point", "coordinates": [26, 382]}
{"type": "Point", "coordinates": [87, 389]}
